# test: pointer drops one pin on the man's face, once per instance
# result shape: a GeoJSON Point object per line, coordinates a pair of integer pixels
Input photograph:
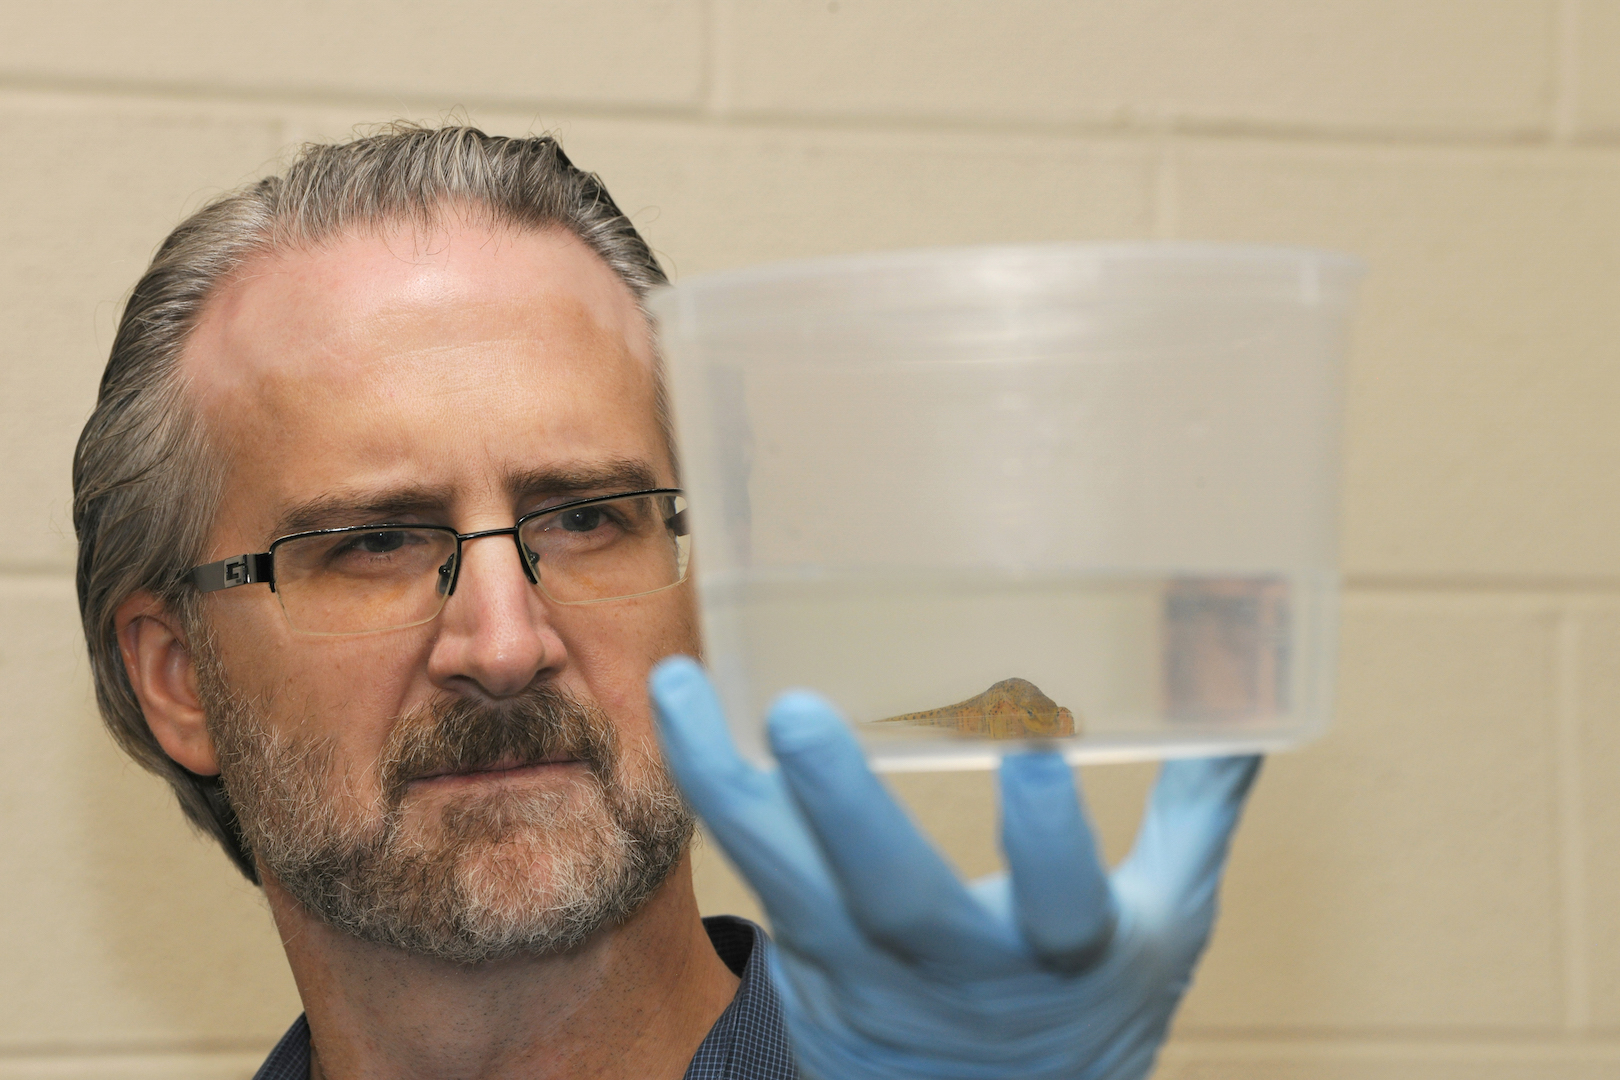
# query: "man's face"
{"type": "Point", "coordinates": [465, 784]}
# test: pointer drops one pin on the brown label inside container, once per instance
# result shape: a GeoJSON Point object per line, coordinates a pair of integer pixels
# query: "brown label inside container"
{"type": "Point", "coordinates": [1226, 649]}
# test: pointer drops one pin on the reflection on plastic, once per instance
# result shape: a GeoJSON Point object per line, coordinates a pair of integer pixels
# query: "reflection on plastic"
{"type": "Point", "coordinates": [1226, 648]}
{"type": "Point", "coordinates": [1011, 709]}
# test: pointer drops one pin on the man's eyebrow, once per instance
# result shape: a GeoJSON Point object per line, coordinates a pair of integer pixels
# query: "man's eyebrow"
{"type": "Point", "coordinates": [339, 508]}
{"type": "Point", "coordinates": [593, 478]}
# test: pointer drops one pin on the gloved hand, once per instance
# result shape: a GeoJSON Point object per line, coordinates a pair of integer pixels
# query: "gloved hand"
{"type": "Point", "coordinates": [888, 966]}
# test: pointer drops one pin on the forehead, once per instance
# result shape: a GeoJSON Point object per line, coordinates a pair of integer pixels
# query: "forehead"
{"type": "Point", "coordinates": [443, 359]}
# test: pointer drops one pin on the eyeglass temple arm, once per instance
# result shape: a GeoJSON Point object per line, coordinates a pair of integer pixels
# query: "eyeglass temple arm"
{"type": "Point", "coordinates": [237, 570]}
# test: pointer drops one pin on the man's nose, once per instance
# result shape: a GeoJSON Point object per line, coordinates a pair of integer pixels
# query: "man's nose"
{"type": "Point", "coordinates": [495, 634]}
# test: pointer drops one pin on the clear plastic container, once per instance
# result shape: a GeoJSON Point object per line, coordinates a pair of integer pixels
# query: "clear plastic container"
{"type": "Point", "coordinates": [986, 496]}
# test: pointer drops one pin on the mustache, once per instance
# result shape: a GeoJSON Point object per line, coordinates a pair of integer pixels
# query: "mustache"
{"type": "Point", "coordinates": [464, 735]}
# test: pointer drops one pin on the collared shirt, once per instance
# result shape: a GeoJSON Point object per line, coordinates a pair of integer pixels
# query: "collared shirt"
{"type": "Point", "coordinates": [748, 1042]}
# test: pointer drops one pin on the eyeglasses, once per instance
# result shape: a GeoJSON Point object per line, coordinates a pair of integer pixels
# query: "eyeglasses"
{"type": "Point", "coordinates": [368, 578]}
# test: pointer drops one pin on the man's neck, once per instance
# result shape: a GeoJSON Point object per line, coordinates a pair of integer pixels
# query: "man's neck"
{"type": "Point", "coordinates": [635, 1000]}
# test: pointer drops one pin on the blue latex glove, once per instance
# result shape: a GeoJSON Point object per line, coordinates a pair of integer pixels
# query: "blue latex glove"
{"type": "Point", "coordinates": [888, 966]}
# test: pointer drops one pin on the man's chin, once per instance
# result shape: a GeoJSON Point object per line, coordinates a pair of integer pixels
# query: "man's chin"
{"type": "Point", "coordinates": [540, 851]}
{"type": "Point", "coordinates": [507, 807]}
{"type": "Point", "coordinates": [492, 873]}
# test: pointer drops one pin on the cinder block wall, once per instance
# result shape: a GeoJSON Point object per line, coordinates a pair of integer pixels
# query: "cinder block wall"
{"type": "Point", "coordinates": [1431, 891]}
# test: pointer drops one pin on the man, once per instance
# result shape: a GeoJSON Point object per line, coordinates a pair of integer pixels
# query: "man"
{"type": "Point", "coordinates": [380, 539]}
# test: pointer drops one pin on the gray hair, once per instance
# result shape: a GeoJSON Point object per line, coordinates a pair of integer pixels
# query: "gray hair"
{"type": "Point", "coordinates": [145, 487]}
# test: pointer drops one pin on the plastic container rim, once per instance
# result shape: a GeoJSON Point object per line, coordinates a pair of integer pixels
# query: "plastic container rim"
{"type": "Point", "coordinates": [1285, 259]}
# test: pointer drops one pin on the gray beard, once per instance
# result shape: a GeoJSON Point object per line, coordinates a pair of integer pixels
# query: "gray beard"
{"type": "Point", "coordinates": [500, 873]}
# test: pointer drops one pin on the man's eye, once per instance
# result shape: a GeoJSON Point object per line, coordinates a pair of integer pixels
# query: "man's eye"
{"type": "Point", "coordinates": [377, 543]}
{"type": "Point", "coordinates": [585, 519]}
{"type": "Point", "coordinates": [380, 543]}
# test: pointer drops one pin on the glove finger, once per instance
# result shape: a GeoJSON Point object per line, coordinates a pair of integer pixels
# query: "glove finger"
{"type": "Point", "coordinates": [1182, 845]}
{"type": "Point", "coordinates": [1061, 896]}
{"type": "Point", "coordinates": [994, 894]}
{"type": "Point", "coordinates": [748, 811]}
{"type": "Point", "coordinates": [897, 888]}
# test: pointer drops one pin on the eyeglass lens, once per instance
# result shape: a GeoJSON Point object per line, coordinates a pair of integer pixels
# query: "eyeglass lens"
{"type": "Point", "coordinates": [398, 576]}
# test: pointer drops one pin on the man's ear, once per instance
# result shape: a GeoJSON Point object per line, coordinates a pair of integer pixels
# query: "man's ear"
{"type": "Point", "coordinates": [158, 660]}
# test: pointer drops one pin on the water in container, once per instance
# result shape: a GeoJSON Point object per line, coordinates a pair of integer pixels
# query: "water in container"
{"type": "Point", "coordinates": [1082, 495]}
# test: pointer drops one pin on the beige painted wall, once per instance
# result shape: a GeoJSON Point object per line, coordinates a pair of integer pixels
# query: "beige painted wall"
{"type": "Point", "coordinates": [1431, 891]}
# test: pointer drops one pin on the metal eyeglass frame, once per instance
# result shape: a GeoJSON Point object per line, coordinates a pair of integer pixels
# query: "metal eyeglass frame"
{"type": "Point", "coordinates": [260, 567]}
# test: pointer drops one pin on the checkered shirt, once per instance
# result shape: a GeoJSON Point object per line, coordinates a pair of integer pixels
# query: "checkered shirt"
{"type": "Point", "coordinates": [748, 1042]}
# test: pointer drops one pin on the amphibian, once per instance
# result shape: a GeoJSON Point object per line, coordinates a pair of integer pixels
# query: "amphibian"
{"type": "Point", "coordinates": [1011, 709]}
